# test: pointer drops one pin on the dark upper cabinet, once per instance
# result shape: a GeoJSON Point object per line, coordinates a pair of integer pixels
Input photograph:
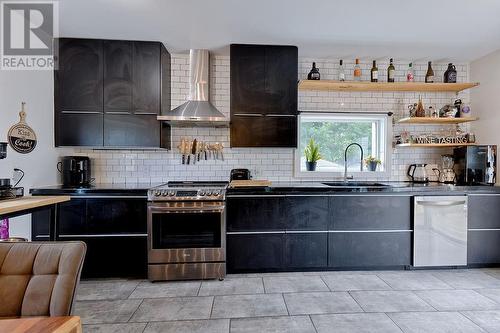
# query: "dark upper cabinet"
{"type": "Point", "coordinates": [147, 75]}
{"type": "Point", "coordinates": [79, 77]}
{"type": "Point", "coordinates": [109, 92]}
{"type": "Point", "coordinates": [263, 95]}
{"type": "Point", "coordinates": [118, 81]}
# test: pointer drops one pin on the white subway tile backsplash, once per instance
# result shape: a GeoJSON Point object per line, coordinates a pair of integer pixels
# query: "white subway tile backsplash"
{"type": "Point", "coordinates": [275, 164]}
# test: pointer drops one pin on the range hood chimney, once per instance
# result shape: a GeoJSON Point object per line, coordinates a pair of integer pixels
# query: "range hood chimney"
{"type": "Point", "coordinates": [197, 111]}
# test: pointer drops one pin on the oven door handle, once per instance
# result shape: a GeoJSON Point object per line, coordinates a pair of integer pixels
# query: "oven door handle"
{"type": "Point", "coordinates": [177, 210]}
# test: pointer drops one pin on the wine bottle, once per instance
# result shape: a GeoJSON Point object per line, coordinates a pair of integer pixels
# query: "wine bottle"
{"type": "Point", "coordinates": [314, 73]}
{"type": "Point", "coordinates": [341, 71]}
{"type": "Point", "coordinates": [374, 72]}
{"type": "Point", "coordinates": [429, 76]}
{"type": "Point", "coordinates": [410, 74]}
{"type": "Point", "coordinates": [357, 71]}
{"type": "Point", "coordinates": [391, 71]}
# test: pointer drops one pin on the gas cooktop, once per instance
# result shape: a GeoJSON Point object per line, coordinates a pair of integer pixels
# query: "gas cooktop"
{"type": "Point", "coordinates": [188, 191]}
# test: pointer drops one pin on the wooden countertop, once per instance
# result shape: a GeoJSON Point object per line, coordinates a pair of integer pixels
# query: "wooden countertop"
{"type": "Point", "coordinates": [69, 324]}
{"type": "Point", "coordinates": [29, 202]}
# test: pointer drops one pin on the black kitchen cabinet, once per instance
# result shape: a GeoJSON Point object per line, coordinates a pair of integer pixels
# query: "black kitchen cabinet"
{"type": "Point", "coordinates": [118, 82]}
{"type": "Point", "coordinates": [358, 212]}
{"type": "Point", "coordinates": [263, 131]}
{"type": "Point", "coordinates": [369, 249]}
{"type": "Point", "coordinates": [255, 214]}
{"type": "Point", "coordinates": [114, 230]}
{"type": "Point", "coordinates": [147, 75]}
{"type": "Point", "coordinates": [264, 95]}
{"type": "Point", "coordinates": [255, 252]}
{"type": "Point", "coordinates": [483, 237]}
{"type": "Point", "coordinates": [79, 77]}
{"type": "Point", "coordinates": [306, 250]}
{"type": "Point", "coordinates": [306, 213]}
{"type": "Point", "coordinates": [119, 87]}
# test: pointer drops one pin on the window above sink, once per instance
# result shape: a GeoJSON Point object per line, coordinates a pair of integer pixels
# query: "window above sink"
{"type": "Point", "coordinates": [333, 132]}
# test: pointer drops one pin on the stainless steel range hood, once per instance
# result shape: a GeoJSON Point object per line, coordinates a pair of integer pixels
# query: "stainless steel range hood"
{"type": "Point", "coordinates": [197, 111]}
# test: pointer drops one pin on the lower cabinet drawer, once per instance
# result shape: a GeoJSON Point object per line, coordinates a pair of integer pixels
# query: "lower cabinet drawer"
{"type": "Point", "coordinates": [255, 252]}
{"type": "Point", "coordinates": [483, 247]}
{"type": "Point", "coordinates": [114, 257]}
{"type": "Point", "coordinates": [306, 250]}
{"type": "Point", "coordinates": [369, 249]}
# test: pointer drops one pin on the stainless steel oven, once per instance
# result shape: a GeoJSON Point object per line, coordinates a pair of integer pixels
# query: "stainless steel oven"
{"type": "Point", "coordinates": [186, 233]}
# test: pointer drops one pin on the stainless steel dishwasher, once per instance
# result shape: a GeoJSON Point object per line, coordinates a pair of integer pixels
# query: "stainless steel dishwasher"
{"type": "Point", "coordinates": [440, 231]}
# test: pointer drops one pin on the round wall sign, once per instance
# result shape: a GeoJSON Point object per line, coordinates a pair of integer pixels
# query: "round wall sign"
{"type": "Point", "coordinates": [21, 137]}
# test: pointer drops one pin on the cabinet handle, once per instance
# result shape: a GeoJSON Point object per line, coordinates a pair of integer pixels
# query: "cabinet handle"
{"type": "Point", "coordinates": [81, 112]}
{"type": "Point", "coordinates": [248, 114]}
{"type": "Point", "coordinates": [281, 115]}
{"type": "Point", "coordinates": [100, 235]}
{"type": "Point", "coordinates": [118, 112]}
{"type": "Point", "coordinates": [441, 203]}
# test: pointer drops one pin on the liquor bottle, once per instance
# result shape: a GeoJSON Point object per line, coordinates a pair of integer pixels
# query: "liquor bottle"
{"type": "Point", "coordinates": [357, 71]}
{"type": "Point", "coordinates": [374, 72]}
{"type": "Point", "coordinates": [391, 72]}
{"type": "Point", "coordinates": [314, 73]}
{"type": "Point", "coordinates": [341, 71]}
{"type": "Point", "coordinates": [450, 76]}
{"type": "Point", "coordinates": [410, 73]}
{"type": "Point", "coordinates": [429, 76]}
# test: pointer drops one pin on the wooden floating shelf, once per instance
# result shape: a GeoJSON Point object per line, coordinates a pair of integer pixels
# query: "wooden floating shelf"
{"type": "Point", "coordinates": [437, 121]}
{"type": "Point", "coordinates": [331, 85]}
{"type": "Point", "coordinates": [433, 145]}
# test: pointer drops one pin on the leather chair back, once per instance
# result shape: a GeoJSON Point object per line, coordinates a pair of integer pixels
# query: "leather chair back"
{"type": "Point", "coordinates": [39, 279]}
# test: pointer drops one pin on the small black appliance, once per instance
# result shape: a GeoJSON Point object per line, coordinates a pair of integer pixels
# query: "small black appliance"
{"type": "Point", "coordinates": [475, 165]}
{"type": "Point", "coordinates": [3, 150]}
{"type": "Point", "coordinates": [240, 174]}
{"type": "Point", "coordinates": [75, 171]}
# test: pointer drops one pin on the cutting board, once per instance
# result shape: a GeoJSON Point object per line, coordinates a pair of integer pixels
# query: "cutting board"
{"type": "Point", "coordinates": [250, 183]}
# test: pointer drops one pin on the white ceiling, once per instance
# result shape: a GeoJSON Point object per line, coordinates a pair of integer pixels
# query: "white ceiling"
{"type": "Point", "coordinates": [439, 30]}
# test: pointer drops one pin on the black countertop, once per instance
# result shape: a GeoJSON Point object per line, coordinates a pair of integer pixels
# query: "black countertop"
{"type": "Point", "coordinates": [120, 189]}
{"type": "Point", "coordinates": [278, 188]}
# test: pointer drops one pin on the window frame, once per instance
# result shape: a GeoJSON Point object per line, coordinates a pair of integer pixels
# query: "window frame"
{"type": "Point", "coordinates": [339, 174]}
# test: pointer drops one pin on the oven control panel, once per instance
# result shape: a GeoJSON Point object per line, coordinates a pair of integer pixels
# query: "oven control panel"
{"type": "Point", "coordinates": [160, 194]}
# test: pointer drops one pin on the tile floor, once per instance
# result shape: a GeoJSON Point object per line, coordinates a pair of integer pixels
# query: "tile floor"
{"type": "Point", "coordinates": [382, 301]}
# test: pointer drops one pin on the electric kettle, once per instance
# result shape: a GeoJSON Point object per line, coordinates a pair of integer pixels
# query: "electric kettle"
{"type": "Point", "coordinates": [418, 173]}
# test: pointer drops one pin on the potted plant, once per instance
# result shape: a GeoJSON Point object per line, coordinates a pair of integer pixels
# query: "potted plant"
{"type": "Point", "coordinates": [372, 163]}
{"type": "Point", "coordinates": [312, 155]}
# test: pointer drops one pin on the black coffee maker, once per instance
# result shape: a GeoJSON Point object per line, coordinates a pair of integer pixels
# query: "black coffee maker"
{"type": "Point", "coordinates": [75, 171]}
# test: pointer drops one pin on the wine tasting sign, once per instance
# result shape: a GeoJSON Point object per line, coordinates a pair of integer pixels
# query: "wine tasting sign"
{"type": "Point", "coordinates": [21, 137]}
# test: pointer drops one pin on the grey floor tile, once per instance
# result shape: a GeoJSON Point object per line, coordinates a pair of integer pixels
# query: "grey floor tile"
{"type": "Point", "coordinates": [390, 301]}
{"type": "Point", "coordinates": [173, 308]}
{"type": "Point", "coordinates": [290, 284]}
{"type": "Point", "coordinates": [293, 324]}
{"type": "Point", "coordinates": [354, 323]}
{"type": "Point", "coordinates": [236, 306]}
{"type": "Point", "coordinates": [232, 286]}
{"type": "Point", "coordinates": [101, 312]}
{"type": "Point", "coordinates": [348, 282]}
{"type": "Point", "coordinates": [102, 290]}
{"type": "Point", "coordinates": [435, 322]}
{"type": "Point", "coordinates": [493, 294]}
{"type": "Point", "coordinates": [456, 300]}
{"type": "Point", "coordinates": [166, 289]}
{"type": "Point", "coordinates": [488, 320]}
{"type": "Point", "coordinates": [468, 279]}
{"type": "Point", "coordinates": [189, 326]}
{"type": "Point", "coordinates": [413, 281]}
{"type": "Point", "coordinates": [320, 302]}
{"type": "Point", "coordinates": [115, 328]}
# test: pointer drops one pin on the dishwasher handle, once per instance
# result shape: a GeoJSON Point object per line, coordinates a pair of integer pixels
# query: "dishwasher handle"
{"type": "Point", "coordinates": [441, 203]}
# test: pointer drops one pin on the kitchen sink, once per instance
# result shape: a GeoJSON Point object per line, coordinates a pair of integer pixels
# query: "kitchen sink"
{"type": "Point", "coordinates": [356, 184]}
